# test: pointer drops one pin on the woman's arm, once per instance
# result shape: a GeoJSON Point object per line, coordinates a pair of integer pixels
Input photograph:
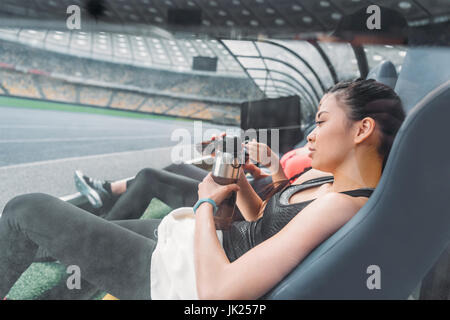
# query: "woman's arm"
{"type": "Point", "coordinates": [264, 266]}
{"type": "Point", "coordinates": [248, 201]}
{"type": "Point", "coordinates": [210, 258]}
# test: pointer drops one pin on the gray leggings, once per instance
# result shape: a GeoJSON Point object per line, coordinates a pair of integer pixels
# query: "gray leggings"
{"type": "Point", "coordinates": [113, 256]}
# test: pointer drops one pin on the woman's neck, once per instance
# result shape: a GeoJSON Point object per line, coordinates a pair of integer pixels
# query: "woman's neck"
{"type": "Point", "coordinates": [359, 175]}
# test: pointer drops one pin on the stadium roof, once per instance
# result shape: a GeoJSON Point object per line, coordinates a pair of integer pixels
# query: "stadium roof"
{"type": "Point", "coordinates": [175, 54]}
{"type": "Point", "coordinates": [215, 18]}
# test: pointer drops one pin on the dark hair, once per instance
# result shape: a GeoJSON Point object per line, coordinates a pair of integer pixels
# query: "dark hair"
{"type": "Point", "coordinates": [369, 98]}
{"type": "Point", "coordinates": [363, 98]}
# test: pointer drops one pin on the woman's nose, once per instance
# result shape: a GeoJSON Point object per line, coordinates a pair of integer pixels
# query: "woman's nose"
{"type": "Point", "coordinates": [310, 136]}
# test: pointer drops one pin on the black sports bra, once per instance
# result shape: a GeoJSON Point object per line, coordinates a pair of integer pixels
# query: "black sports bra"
{"type": "Point", "coordinates": [244, 235]}
{"type": "Point", "coordinates": [290, 190]}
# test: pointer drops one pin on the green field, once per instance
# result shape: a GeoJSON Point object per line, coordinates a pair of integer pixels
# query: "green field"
{"type": "Point", "coordinates": [40, 278]}
{"type": "Point", "coordinates": [50, 105]}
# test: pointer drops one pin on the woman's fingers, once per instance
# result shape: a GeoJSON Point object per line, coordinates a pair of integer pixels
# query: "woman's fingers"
{"type": "Point", "coordinates": [249, 166]}
{"type": "Point", "coordinates": [233, 187]}
{"type": "Point", "coordinates": [258, 152]}
{"type": "Point", "coordinates": [218, 136]}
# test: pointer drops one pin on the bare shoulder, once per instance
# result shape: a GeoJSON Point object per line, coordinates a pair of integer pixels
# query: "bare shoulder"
{"type": "Point", "coordinates": [340, 203]}
{"type": "Point", "coordinates": [311, 174]}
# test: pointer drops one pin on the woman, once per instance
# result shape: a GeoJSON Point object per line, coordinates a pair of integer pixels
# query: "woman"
{"type": "Point", "coordinates": [129, 198]}
{"type": "Point", "coordinates": [356, 125]}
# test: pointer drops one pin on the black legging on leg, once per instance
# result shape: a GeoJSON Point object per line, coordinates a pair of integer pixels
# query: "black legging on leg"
{"type": "Point", "coordinates": [175, 185]}
{"type": "Point", "coordinates": [173, 189]}
{"type": "Point", "coordinates": [112, 256]}
{"type": "Point", "coordinates": [187, 170]}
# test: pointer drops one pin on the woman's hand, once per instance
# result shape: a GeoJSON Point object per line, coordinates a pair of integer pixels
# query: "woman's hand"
{"type": "Point", "coordinates": [208, 188]}
{"type": "Point", "coordinates": [218, 136]}
{"type": "Point", "coordinates": [261, 153]}
{"type": "Point", "coordinates": [254, 171]}
{"type": "Point", "coordinates": [214, 138]}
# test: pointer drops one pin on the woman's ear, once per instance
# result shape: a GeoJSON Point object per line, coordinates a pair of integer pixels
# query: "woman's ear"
{"type": "Point", "coordinates": [364, 129]}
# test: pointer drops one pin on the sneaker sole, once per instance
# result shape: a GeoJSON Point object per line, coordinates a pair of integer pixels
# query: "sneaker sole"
{"type": "Point", "coordinates": [92, 195]}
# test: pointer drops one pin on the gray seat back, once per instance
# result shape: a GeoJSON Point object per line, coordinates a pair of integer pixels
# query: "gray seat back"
{"type": "Point", "coordinates": [402, 229]}
{"type": "Point", "coordinates": [404, 226]}
{"type": "Point", "coordinates": [423, 70]}
{"type": "Point", "coordinates": [384, 72]}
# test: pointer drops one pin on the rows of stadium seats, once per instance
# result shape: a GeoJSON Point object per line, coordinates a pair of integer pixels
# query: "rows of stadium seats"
{"type": "Point", "coordinates": [127, 100]}
{"type": "Point", "coordinates": [57, 90]}
{"type": "Point", "coordinates": [34, 86]}
{"type": "Point", "coordinates": [19, 85]}
{"type": "Point", "coordinates": [230, 114]}
{"type": "Point", "coordinates": [95, 96]}
{"type": "Point", "coordinates": [121, 74]}
{"type": "Point", "coordinates": [187, 109]}
{"type": "Point", "coordinates": [36, 73]}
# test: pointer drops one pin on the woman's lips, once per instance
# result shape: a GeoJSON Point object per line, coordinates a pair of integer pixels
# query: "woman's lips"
{"type": "Point", "coordinates": [311, 150]}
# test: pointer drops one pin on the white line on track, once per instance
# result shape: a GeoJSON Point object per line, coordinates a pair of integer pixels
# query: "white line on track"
{"type": "Point", "coordinates": [43, 140]}
{"type": "Point", "coordinates": [99, 156]}
{"type": "Point", "coordinates": [73, 127]}
{"type": "Point", "coordinates": [37, 126]}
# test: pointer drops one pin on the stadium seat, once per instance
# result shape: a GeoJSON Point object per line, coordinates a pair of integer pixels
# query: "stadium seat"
{"type": "Point", "coordinates": [403, 229]}
{"type": "Point", "coordinates": [385, 73]}
{"type": "Point", "coordinates": [415, 80]}
{"type": "Point", "coordinates": [422, 71]}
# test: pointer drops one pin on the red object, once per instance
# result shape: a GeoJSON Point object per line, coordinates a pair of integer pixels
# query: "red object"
{"type": "Point", "coordinates": [39, 72]}
{"type": "Point", "coordinates": [6, 65]}
{"type": "Point", "coordinates": [295, 162]}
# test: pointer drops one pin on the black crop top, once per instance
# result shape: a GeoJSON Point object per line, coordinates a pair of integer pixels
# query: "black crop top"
{"type": "Point", "coordinates": [244, 235]}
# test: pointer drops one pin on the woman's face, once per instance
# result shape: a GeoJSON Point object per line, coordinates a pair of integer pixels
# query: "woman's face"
{"type": "Point", "coordinates": [331, 142]}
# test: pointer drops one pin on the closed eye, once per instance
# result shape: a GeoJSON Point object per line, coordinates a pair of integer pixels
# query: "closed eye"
{"type": "Point", "coordinates": [319, 122]}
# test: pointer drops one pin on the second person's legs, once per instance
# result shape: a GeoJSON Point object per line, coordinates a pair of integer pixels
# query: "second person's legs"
{"type": "Point", "coordinates": [173, 189]}
{"type": "Point", "coordinates": [109, 256]}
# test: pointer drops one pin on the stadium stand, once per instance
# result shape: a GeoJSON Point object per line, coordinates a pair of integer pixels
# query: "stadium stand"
{"type": "Point", "coordinates": [127, 100]}
{"type": "Point", "coordinates": [188, 109]}
{"type": "Point", "coordinates": [163, 81]}
{"type": "Point", "coordinates": [230, 114]}
{"type": "Point", "coordinates": [38, 73]}
{"type": "Point", "coordinates": [158, 105]}
{"type": "Point", "coordinates": [20, 84]}
{"type": "Point", "coordinates": [95, 96]}
{"type": "Point", "coordinates": [56, 90]}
